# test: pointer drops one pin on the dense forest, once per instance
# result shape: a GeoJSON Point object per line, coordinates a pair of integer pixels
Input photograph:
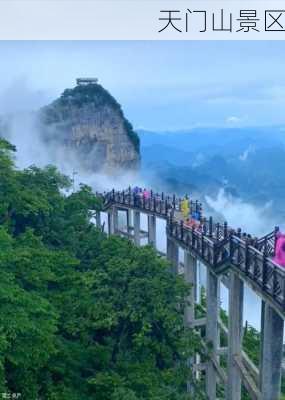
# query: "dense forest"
{"type": "Point", "coordinates": [82, 316]}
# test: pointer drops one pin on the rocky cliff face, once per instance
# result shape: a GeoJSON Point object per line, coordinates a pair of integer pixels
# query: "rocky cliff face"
{"type": "Point", "coordinates": [88, 121]}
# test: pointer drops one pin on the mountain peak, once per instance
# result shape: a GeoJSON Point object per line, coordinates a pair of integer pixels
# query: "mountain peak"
{"type": "Point", "coordinates": [88, 120]}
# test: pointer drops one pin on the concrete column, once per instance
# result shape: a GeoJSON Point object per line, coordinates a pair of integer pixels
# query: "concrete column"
{"type": "Point", "coordinates": [236, 290]}
{"type": "Point", "coordinates": [129, 220]}
{"type": "Point", "coordinates": [219, 328]}
{"type": "Point", "coordinates": [172, 255]}
{"type": "Point", "coordinates": [137, 228]}
{"type": "Point", "coordinates": [190, 275]}
{"type": "Point", "coordinates": [168, 249]}
{"type": "Point", "coordinates": [198, 301]}
{"type": "Point", "coordinates": [272, 327]}
{"type": "Point", "coordinates": [116, 219]}
{"type": "Point", "coordinates": [198, 283]}
{"type": "Point", "coordinates": [151, 220]}
{"type": "Point", "coordinates": [212, 332]}
{"type": "Point", "coordinates": [112, 221]}
{"type": "Point", "coordinates": [98, 219]}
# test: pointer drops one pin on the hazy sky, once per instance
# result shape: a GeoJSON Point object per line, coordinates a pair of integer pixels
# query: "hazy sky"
{"type": "Point", "coordinates": [161, 85]}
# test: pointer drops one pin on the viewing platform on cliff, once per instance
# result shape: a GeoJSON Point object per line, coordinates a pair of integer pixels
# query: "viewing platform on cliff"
{"type": "Point", "coordinates": [86, 81]}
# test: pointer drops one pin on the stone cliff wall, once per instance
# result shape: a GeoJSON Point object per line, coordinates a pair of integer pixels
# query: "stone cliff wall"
{"type": "Point", "coordinates": [88, 121]}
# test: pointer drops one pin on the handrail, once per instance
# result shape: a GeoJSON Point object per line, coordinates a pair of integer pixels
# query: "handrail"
{"type": "Point", "coordinates": [216, 244]}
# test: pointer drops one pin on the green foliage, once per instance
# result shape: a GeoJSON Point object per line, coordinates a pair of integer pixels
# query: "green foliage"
{"type": "Point", "coordinates": [82, 316]}
{"type": "Point", "coordinates": [251, 343]}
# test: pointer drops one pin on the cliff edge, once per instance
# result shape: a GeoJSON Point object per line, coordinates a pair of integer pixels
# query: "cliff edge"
{"type": "Point", "coordinates": [88, 121]}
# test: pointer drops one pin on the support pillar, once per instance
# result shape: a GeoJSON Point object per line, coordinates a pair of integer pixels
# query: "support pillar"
{"type": "Point", "coordinates": [172, 255]}
{"type": "Point", "coordinates": [272, 327]}
{"type": "Point", "coordinates": [190, 274]}
{"type": "Point", "coordinates": [198, 301]}
{"type": "Point", "coordinates": [198, 283]}
{"type": "Point", "coordinates": [98, 219]}
{"type": "Point", "coordinates": [219, 328]}
{"type": "Point", "coordinates": [112, 221]}
{"type": "Point", "coordinates": [129, 220]}
{"type": "Point", "coordinates": [151, 219]}
{"type": "Point", "coordinates": [137, 228]}
{"type": "Point", "coordinates": [236, 292]}
{"type": "Point", "coordinates": [212, 332]}
{"type": "Point", "coordinates": [116, 219]}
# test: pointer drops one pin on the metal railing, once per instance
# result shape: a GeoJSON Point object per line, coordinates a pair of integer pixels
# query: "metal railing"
{"type": "Point", "coordinates": [217, 245]}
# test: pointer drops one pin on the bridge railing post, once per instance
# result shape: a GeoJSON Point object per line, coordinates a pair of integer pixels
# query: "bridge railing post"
{"type": "Point", "coordinates": [211, 227]}
{"type": "Point", "coordinates": [160, 206]}
{"type": "Point", "coordinates": [218, 227]}
{"type": "Point", "coordinates": [182, 230]}
{"type": "Point", "coordinates": [276, 230]}
{"type": "Point", "coordinates": [165, 207]}
{"type": "Point", "coordinates": [264, 268]}
{"type": "Point", "coordinates": [225, 229]}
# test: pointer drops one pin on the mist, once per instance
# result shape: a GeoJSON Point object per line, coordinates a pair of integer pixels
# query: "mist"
{"type": "Point", "coordinates": [240, 214]}
{"type": "Point", "coordinates": [19, 123]}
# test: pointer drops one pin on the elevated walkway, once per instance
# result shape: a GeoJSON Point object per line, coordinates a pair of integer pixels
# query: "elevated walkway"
{"type": "Point", "coordinates": [231, 257]}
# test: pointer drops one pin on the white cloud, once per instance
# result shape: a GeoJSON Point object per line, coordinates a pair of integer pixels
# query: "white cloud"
{"type": "Point", "coordinates": [233, 120]}
{"type": "Point", "coordinates": [246, 153]}
{"type": "Point", "coordinates": [240, 214]}
{"type": "Point", "coordinates": [19, 96]}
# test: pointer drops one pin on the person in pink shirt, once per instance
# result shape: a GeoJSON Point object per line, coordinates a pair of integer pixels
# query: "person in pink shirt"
{"type": "Point", "coordinates": [279, 257]}
{"type": "Point", "coordinates": [146, 194]}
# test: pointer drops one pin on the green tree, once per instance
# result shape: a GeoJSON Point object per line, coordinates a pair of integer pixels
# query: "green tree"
{"type": "Point", "coordinates": [82, 316]}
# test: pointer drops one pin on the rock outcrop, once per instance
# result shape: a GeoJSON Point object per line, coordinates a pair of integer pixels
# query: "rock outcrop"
{"type": "Point", "coordinates": [88, 121]}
